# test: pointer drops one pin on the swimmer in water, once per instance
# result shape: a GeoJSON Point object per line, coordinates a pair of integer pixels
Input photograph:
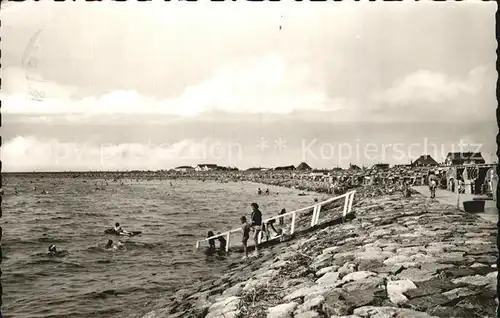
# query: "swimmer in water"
{"type": "Point", "coordinates": [54, 252]}
{"type": "Point", "coordinates": [118, 229]}
{"type": "Point", "coordinates": [110, 245]}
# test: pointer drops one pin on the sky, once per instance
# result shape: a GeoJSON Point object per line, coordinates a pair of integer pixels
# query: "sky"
{"type": "Point", "coordinates": [123, 86]}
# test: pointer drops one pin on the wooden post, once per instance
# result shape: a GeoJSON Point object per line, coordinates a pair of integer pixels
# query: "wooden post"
{"type": "Point", "coordinates": [351, 199]}
{"type": "Point", "coordinates": [228, 239]}
{"type": "Point", "coordinates": [292, 230]}
{"type": "Point", "coordinates": [346, 202]}
{"type": "Point", "coordinates": [458, 193]}
{"type": "Point", "coordinates": [316, 220]}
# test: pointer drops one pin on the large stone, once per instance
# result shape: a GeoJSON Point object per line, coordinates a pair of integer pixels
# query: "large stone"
{"type": "Point", "coordinates": [330, 278]}
{"type": "Point", "coordinates": [489, 280]}
{"type": "Point", "coordinates": [371, 282]}
{"type": "Point", "coordinates": [357, 276]}
{"type": "Point", "coordinates": [416, 275]}
{"type": "Point", "coordinates": [410, 260]}
{"type": "Point", "coordinates": [282, 311]}
{"type": "Point", "coordinates": [428, 302]}
{"type": "Point", "coordinates": [434, 267]}
{"type": "Point", "coordinates": [347, 268]}
{"type": "Point", "coordinates": [388, 312]}
{"type": "Point", "coordinates": [362, 297]}
{"type": "Point", "coordinates": [311, 304]}
{"type": "Point", "coordinates": [458, 293]}
{"type": "Point", "coordinates": [227, 307]}
{"type": "Point", "coordinates": [307, 314]}
{"type": "Point", "coordinates": [395, 290]}
{"type": "Point", "coordinates": [325, 270]}
{"type": "Point", "coordinates": [309, 292]}
{"type": "Point", "coordinates": [335, 304]}
{"type": "Point", "coordinates": [373, 254]}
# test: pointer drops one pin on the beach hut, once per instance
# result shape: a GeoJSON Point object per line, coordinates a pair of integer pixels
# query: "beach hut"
{"type": "Point", "coordinates": [285, 168]}
{"type": "Point", "coordinates": [303, 167]}
{"type": "Point", "coordinates": [461, 158]}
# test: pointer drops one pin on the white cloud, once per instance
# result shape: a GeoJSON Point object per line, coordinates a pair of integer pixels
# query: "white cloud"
{"type": "Point", "coordinates": [433, 87]}
{"type": "Point", "coordinates": [51, 154]}
{"type": "Point", "coordinates": [266, 84]}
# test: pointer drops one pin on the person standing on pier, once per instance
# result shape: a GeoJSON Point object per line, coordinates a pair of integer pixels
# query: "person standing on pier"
{"type": "Point", "coordinates": [256, 225]}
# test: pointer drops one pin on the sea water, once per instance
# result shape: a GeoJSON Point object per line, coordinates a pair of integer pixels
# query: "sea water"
{"type": "Point", "coordinates": [94, 282]}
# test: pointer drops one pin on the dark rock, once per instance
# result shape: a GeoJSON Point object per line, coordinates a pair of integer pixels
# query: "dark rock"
{"type": "Point", "coordinates": [486, 259]}
{"type": "Point", "coordinates": [458, 272]}
{"type": "Point", "coordinates": [335, 304]}
{"type": "Point", "coordinates": [427, 302]}
{"type": "Point", "coordinates": [422, 291]}
{"type": "Point", "coordinates": [369, 265]}
{"type": "Point", "coordinates": [483, 302]}
{"type": "Point", "coordinates": [389, 269]}
{"type": "Point", "coordinates": [454, 312]}
{"type": "Point", "coordinates": [361, 298]}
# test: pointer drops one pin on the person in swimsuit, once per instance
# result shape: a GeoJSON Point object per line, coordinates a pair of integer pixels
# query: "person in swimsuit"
{"type": "Point", "coordinates": [246, 234]}
{"type": "Point", "coordinates": [256, 225]}
{"type": "Point", "coordinates": [211, 242]}
{"type": "Point", "coordinates": [282, 219]}
{"type": "Point", "coordinates": [222, 243]}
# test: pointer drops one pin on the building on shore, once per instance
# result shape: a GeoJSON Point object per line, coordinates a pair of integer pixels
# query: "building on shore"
{"type": "Point", "coordinates": [381, 166]}
{"type": "Point", "coordinates": [285, 168]}
{"type": "Point", "coordinates": [184, 169]}
{"type": "Point", "coordinates": [304, 167]}
{"type": "Point", "coordinates": [424, 161]}
{"type": "Point", "coordinates": [206, 167]}
{"type": "Point", "coordinates": [464, 158]}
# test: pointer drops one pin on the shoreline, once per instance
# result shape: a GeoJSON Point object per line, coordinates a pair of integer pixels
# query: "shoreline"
{"type": "Point", "coordinates": [410, 256]}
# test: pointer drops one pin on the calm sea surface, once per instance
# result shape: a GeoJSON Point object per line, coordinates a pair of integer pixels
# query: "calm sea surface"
{"type": "Point", "coordinates": [94, 282]}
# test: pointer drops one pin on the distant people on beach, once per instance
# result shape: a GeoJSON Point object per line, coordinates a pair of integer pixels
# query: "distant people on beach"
{"type": "Point", "coordinates": [245, 227]}
{"type": "Point", "coordinates": [267, 191]}
{"type": "Point", "coordinates": [259, 191]}
{"type": "Point", "coordinates": [256, 225]}
{"type": "Point", "coordinates": [211, 242]}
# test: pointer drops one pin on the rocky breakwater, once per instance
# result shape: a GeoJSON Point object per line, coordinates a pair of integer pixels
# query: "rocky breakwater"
{"type": "Point", "coordinates": [401, 257]}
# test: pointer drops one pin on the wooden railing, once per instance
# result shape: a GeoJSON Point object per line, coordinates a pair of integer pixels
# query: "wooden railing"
{"type": "Point", "coordinates": [316, 208]}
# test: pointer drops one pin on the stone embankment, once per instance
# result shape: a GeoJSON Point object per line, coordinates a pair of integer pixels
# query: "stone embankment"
{"type": "Point", "coordinates": [400, 257]}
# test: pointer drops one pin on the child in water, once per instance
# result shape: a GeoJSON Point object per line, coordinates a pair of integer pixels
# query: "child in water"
{"type": "Point", "coordinates": [222, 243]}
{"type": "Point", "coordinates": [211, 242]}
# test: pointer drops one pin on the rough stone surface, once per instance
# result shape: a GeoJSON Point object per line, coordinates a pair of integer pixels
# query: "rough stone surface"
{"type": "Point", "coordinates": [227, 307]}
{"type": "Point", "coordinates": [401, 251]}
{"type": "Point", "coordinates": [388, 312]}
{"type": "Point", "coordinates": [282, 311]}
{"type": "Point", "coordinates": [396, 290]}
